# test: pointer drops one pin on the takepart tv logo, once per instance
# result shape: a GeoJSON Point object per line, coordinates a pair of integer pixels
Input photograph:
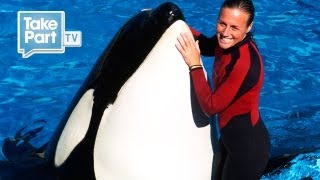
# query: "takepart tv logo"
{"type": "Point", "coordinates": [44, 32]}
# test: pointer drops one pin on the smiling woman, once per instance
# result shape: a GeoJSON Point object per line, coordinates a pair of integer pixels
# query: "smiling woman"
{"type": "Point", "coordinates": [244, 147]}
{"type": "Point", "coordinates": [232, 27]}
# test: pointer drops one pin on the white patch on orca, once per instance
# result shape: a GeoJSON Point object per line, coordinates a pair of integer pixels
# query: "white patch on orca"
{"type": "Point", "coordinates": [75, 129]}
{"type": "Point", "coordinates": [150, 133]}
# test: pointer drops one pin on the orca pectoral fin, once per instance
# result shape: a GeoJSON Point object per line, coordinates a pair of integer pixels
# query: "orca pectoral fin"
{"type": "Point", "coordinates": [75, 129]}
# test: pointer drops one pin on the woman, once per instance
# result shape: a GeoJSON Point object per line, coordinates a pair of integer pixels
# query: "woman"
{"type": "Point", "coordinates": [244, 144]}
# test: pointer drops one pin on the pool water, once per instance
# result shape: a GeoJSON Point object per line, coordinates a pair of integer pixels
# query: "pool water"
{"type": "Point", "coordinates": [287, 33]}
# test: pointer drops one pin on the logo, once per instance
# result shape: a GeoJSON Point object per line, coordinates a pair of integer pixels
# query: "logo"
{"type": "Point", "coordinates": [43, 32]}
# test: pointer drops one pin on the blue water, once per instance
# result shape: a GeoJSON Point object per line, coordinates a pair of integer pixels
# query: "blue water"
{"type": "Point", "coordinates": [287, 33]}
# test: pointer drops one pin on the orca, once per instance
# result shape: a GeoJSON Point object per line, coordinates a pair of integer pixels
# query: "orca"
{"type": "Point", "coordinates": [149, 131]}
{"type": "Point", "coordinates": [135, 116]}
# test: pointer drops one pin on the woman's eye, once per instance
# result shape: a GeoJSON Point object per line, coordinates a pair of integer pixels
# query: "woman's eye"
{"type": "Point", "coordinates": [222, 24]}
{"type": "Point", "coordinates": [234, 29]}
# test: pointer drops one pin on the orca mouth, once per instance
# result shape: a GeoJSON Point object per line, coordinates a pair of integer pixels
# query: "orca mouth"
{"type": "Point", "coordinates": [166, 14]}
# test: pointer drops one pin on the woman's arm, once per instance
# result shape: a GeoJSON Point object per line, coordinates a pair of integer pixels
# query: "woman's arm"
{"type": "Point", "coordinates": [217, 101]}
{"type": "Point", "coordinates": [221, 98]}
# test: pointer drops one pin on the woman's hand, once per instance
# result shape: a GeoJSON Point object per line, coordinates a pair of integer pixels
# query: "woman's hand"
{"type": "Point", "coordinates": [189, 49]}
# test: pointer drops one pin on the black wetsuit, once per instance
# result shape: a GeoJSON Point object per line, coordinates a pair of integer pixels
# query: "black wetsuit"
{"type": "Point", "coordinates": [244, 146]}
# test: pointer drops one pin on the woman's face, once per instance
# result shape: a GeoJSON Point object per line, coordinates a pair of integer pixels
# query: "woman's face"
{"type": "Point", "coordinates": [232, 27]}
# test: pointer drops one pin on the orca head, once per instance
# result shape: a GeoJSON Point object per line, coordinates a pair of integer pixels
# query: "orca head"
{"type": "Point", "coordinates": [128, 49]}
{"type": "Point", "coordinates": [165, 15]}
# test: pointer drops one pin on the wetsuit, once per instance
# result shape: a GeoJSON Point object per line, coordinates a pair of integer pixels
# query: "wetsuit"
{"type": "Point", "coordinates": [244, 144]}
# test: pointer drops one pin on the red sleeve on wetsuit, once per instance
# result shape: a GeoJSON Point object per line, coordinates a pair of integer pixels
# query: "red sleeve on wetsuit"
{"type": "Point", "coordinates": [194, 32]}
{"type": "Point", "coordinates": [215, 102]}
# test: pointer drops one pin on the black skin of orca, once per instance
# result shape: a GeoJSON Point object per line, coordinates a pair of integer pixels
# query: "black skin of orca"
{"type": "Point", "coordinates": [118, 62]}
